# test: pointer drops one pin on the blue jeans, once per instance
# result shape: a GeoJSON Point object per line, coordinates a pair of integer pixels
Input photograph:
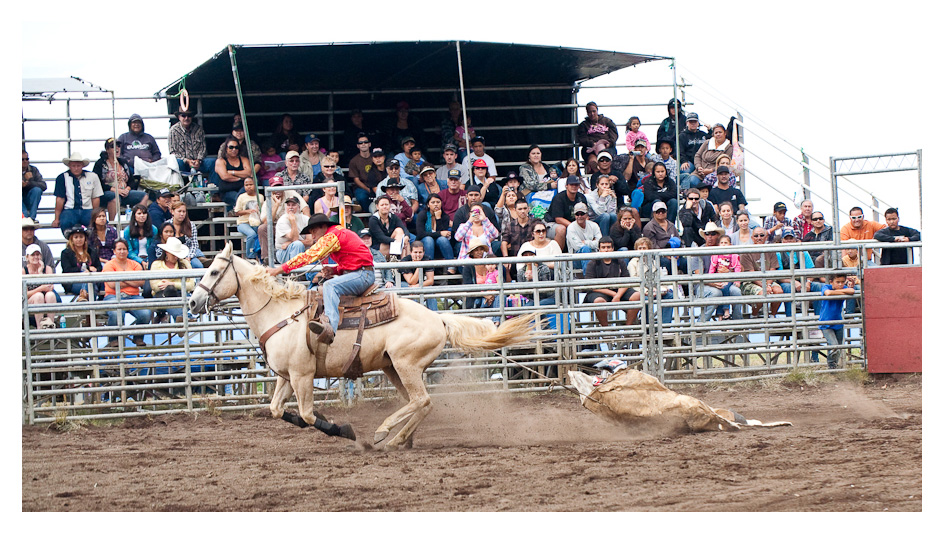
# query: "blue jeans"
{"type": "Point", "coordinates": [70, 218]}
{"type": "Point", "coordinates": [294, 249]}
{"type": "Point", "coordinates": [815, 287]}
{"type": "Point", "coordinates": [141, 316]}
{"type": "Point", "coordinates": [133, 199]}
{"type": "Point", "coordinates": [605, 221]}
{"type": "Point", "coordinates": [207, 167]}
{"type": "Point", "coordinates": [252, 240]}
{"type": "Point", "coordinates": [442, 243]}
{"type": "Point", "coordinates": [31, 202]}
{"type": "Point", "coordinates": [353, 283]}
{"type": "Point", "coordinates": [364, 198]}
{"type": "Point", "coordinates": [714, 292]}
{"type": "Point", "coordinates": [833, 336]}
{"type": "Point", "coordinates": [581, 264]}
{"type": "Point", "coordinates": [194, 262]}
{"type": "Point", "coordinates": [851, 303]}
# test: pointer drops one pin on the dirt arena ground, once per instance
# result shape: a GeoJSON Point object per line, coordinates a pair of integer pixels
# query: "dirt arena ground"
{"type": "Point", "coordinates": [852, 448]}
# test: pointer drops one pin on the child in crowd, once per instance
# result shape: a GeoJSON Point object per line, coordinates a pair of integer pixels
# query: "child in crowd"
{"type": "Point", "coordinates": [832, 310]}
{"type": "Point", "coordinates": [414, 164]}
{"type": "Point", "coordinates": [271, 163]}
{"type": "Point", "coordinates": [414, 276]}
{"type": "Point", "coordinates": [731, 263]}
{"type": "Point", "coordinates": [665, 155]}
{"type": "Point", "coordinates": [634, 133]}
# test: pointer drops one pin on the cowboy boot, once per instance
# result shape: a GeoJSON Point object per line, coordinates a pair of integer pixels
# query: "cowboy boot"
{"type": "Point", "coordinates": [322, 329]}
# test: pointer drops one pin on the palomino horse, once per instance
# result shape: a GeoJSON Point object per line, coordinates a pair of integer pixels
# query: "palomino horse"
{"type": "Point", "coordinates": [402, 348]}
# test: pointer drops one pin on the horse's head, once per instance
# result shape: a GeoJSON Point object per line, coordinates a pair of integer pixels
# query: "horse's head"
{"type": "Point", "coordinates": [220, 282]}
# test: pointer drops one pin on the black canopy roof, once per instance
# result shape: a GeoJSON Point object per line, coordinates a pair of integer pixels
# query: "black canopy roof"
{"type": "Point", "coordinates": [400, 65]}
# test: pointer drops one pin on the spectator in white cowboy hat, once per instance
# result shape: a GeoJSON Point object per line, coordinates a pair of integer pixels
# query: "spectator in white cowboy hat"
{"type": "Point", "coordinates": [702, 265]}
{"type": "Point", "coordinates": [77, 192]}
{"type": "Point", "coordinates": [174, 257]}
{"type": "Point", "coordinates": [39, 293]}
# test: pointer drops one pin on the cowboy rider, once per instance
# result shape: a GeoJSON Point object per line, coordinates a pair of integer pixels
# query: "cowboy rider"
{"type": "Point", "coordinates": [352, 274]}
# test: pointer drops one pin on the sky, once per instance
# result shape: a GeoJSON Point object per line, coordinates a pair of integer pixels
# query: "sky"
{"type": "Point", "coordinates": [836, 78]}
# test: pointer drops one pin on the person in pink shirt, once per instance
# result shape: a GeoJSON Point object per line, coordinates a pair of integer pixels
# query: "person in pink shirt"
{"type": "Point", "coordinates": [634, 133]}
{"type": "Point", "coordinates": [729, 263]}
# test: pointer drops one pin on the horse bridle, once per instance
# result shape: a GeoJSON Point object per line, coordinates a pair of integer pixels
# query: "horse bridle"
{"type": "Point", "coordinates": [208, 306]}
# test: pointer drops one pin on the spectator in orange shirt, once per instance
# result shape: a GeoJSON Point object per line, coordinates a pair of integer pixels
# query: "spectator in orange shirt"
{"type": "Point", "coordinates": [860, 228]}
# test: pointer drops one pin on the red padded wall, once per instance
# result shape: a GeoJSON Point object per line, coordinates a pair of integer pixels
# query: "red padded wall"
{"type": "Point", "coordinates": [893, 318]}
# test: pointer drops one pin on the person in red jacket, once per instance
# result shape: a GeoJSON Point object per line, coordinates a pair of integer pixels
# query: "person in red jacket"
{"type": "Point", "coordinates": [352, 273]}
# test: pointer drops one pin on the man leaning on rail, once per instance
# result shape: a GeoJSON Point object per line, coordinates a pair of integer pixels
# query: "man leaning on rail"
{"type": "Point", "coordinates": [352, 274]}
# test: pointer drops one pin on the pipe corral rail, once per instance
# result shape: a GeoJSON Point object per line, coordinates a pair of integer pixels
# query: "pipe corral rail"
{"type": "Point", "coordinates": [212, 362]}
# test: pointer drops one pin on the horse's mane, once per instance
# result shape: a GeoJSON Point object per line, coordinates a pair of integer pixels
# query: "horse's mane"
{"type": "Point", "coordinates": [287, 290]}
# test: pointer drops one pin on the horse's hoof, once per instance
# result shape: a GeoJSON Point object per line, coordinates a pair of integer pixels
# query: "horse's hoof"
{"type": "Point", "coordinates": [380, 436]}
{"type": "Point", "coordinates": [347, 432]}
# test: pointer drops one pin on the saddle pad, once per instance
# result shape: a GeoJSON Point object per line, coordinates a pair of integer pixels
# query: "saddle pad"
{"type": "Point", "coordinates": [381, 309]}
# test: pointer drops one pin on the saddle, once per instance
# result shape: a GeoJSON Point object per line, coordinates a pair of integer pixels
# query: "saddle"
{"type": "Point", "coordinates": [367, 310]}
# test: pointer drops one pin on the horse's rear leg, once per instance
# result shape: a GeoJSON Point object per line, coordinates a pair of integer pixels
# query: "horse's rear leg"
{"type": "Point", "coordinates": [417, 407]}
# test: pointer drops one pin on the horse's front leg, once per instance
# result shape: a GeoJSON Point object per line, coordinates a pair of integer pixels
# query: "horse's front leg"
{"type": "Point", "coordinates": [280, 395]}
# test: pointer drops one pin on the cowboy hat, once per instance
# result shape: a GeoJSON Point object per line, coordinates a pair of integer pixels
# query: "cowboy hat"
{"type": "Point", "coordinates": [29, 223]}
{"type": "Point", "coordinates": [392, 185]}
{"type": "Point", "coordinates": [175, 247]}
{"type": "Point", "coordinates": [69, 231]}
{"type": "Point", "coordinates": [711, 228]}
{"type": "Point", "coordinates": [348, 202]}
{"type": "Point", "coordinates": [75, 157]}
{"type": "Point", "coordinates": [475, 243]}
{"type": "Point", "coordinates": [317, 220]}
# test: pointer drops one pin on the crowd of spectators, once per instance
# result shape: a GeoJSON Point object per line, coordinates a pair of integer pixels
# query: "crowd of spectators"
{"type": "Point", "coordinates": [415, 206]}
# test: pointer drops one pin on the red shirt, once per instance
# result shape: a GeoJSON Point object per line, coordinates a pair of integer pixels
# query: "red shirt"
{"type": "Point", "coordinates": [343, 246]}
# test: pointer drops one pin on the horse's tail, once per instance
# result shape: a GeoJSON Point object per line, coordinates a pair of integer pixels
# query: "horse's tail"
{"type": "Point", "coordinates": [471, 333]}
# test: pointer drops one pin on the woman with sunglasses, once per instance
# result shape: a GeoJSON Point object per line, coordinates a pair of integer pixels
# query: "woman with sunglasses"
{"type": "Point", "coordinates": [540, 244]}
{"type": "Point", "coordinates": [232, 169]}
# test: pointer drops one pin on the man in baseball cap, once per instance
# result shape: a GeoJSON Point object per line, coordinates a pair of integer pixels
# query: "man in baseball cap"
{"type": "Point", "coordinates": [777, 222]}
{"type": "Point", "coordinates": [450, 154]}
